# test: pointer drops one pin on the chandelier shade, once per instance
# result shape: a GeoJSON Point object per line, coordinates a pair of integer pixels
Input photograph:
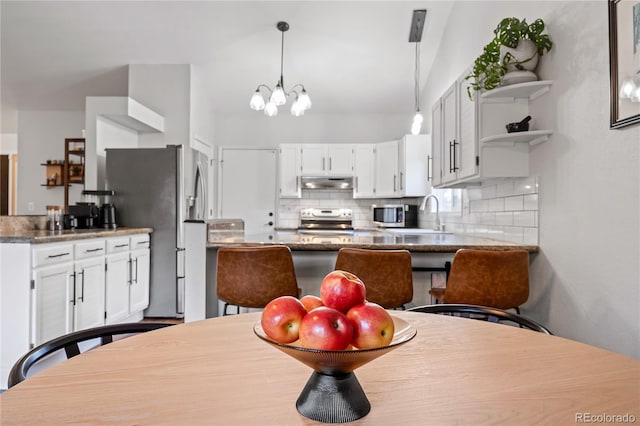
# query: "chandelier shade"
{"type": "Point", "coordinates": [278, 95]}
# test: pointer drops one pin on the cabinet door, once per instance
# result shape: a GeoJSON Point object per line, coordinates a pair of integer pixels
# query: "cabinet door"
{"type": "Point", "coordinates": [314, 160]}
{"type": "Point", "coordinates": [340, 160]}
{"type": "Point", "coordinates": [364, 169]}
{"type": "Point", "coordinates": [117, 287]}
{"type": "Point", "coordinates": [289, 170]}
{"type": "Point", "coordinates": [89, 293]}
{"type": "Point", "coordinates": [53, 301]}
{"type": "Point", "coordinates": [449, 137]}
{"type": "Point", "coordinates": [139, 289]}
{"type": "Point", "coordinates": [435, 164]}
{"type": "Point", "coordinates": [387, 169]}
{"type": "Point", "coordinates": [413, 151]}
{"type": "Point", "coordinates": [467, 131]}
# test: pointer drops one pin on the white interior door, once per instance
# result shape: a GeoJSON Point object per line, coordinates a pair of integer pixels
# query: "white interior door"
{"type": "Point", "coordinates": [248, 187]}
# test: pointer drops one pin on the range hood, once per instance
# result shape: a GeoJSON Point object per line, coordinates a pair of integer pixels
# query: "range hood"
{"type": "Point", "coordinates": [326, 182]}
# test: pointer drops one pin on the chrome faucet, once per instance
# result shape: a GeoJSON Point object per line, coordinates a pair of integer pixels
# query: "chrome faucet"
{"type": "Point", "coordinates": [423, 205]}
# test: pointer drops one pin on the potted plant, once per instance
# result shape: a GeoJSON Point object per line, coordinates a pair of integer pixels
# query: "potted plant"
{"type": "Point", "coordinates": [515, 47]}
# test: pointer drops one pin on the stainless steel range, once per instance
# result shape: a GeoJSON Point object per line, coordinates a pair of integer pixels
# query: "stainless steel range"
{"type": "Point", "coordinates": [322, 220]}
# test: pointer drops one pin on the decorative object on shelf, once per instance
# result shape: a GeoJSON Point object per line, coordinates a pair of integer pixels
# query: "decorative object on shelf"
{"type": "Point", "coordinates": [521, 126]}
{"type": "Point", "coordinates": [511, 56]}
{"type": "Point", "coordinates": [624, 62]}
{"type": "Point", "coordinates": [415, 36]}
{"type": "Point", "coordinates": [52, 180]}
{"type": "Point", "coordinates": [278, 96]}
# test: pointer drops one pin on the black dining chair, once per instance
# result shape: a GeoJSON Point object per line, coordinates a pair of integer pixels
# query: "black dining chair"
{"type": "Point", "coordinates": [71, 345]}
{"type": "Point", "coordinates": [483, 313]}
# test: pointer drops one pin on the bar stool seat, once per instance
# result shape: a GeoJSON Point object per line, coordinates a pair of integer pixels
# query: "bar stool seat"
{"type": "Point", "coordinates": [387, 274]}
{"type": "Point", "coordinates": [497, 279]}
{"type": "Point", "coordinates": [251, 277]}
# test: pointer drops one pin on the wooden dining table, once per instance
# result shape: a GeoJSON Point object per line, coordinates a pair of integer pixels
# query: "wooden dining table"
{"type": "Point", "coordinates": [218, 372]}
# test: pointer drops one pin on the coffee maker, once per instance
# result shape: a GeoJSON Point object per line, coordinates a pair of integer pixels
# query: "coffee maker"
{"type": "Point", "coordinates": [89, 215]}
{"type": "Point", "coordinates": [86, 214]}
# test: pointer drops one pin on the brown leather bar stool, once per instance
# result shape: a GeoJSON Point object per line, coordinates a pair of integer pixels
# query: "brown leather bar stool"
{"type": "Point", "coordinates": [498, 279]}
{"type": "Point", "coordinates": [253, 276]}
{"type": "Point", "coordinates": [387, 274]}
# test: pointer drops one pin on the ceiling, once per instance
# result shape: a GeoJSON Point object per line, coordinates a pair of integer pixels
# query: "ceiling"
{"type": "Point", "coordinates": [352, 56]}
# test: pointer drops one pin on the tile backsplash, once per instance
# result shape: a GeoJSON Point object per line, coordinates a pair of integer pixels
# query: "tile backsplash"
{"type": "Point", "coordinates": [505, 210]}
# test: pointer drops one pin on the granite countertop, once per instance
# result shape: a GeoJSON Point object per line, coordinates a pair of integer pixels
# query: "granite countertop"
{"type": "Point", "coordinates": [418, 242]}
{"type": "Point", "coordinates": [45, 236]}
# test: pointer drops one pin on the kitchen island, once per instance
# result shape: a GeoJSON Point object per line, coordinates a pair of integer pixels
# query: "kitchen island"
{"type": "Point", "coordinates": [314, 256]}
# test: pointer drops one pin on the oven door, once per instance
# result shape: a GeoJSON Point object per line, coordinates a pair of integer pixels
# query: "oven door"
{"type": "Point", "coordinates": [388, 216]}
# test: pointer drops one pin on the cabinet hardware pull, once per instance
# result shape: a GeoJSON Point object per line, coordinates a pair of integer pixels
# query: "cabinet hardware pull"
{"type": "Point", "coordinates": [121, 245]}
{"type": "Point", "coordinates": [74, 289]}
{"type": "Point", "coordinates": [455, 163]}
{"type": "Point", "coordinates": [323, 163]}
{"type": "Point", "coordinates": [51, 256]}
{"type": "Point", "coordinates": [330, 167]}
{"type": "Point", "coordinates": [395, 178]}
{"type": "Point", "coordinates": [429, 177]}
{"type": "Point", "coordinates": [357, 187]}
{"type": "Point", "coordinates": [401, 181]}
{"type": "Point", "coordinates": [450, 155]}
{"type": "Point", "coordinates": [136, 279]}
{"type": "Point", "coordinates": [82, 286]}
{"type": "Point", "coordinates": [130, 273]}
{"type": "Point", "coordinates": [93, 250]}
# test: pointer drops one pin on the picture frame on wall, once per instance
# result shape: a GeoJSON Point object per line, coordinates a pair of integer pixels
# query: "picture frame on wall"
{"type": "Point", "coordinates": [624, 62]}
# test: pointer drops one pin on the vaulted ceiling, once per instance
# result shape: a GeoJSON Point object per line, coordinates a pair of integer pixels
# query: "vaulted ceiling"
{"type": "Point", "coordinates": [352, 56]}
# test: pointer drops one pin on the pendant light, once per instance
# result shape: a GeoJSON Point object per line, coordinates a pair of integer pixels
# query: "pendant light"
{"type": "Point", "coordinates": [278, 95]}
{"type": "Point", "coordinates": [415, 36]}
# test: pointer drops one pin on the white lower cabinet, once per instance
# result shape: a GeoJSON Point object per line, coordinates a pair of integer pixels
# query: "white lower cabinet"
{"type": "Point", "coordinates": [127, 277]}
{"type": "Point", "coordinates": [140, 265]}
{"type": "Point", "coordinates": [88, 298]}
{"type": "Point", "coordinates": [53, 302]}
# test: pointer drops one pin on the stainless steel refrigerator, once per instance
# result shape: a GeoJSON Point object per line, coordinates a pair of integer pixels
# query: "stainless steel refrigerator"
{"type": "Point", "coordinates": [148, 185]}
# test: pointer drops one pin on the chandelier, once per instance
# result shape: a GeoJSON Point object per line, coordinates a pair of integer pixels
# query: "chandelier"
{"type": "Point", "coordinates": [278, 95]}
{"type": "Point", "coordinates": [415, 36]}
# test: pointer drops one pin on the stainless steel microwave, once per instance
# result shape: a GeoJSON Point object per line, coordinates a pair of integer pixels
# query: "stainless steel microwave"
{"type": "Point", "coordinates": [395, 215]}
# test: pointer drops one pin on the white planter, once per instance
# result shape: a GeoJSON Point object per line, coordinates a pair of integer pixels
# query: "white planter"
{"type": "Point", "coordinates": [526, 54]}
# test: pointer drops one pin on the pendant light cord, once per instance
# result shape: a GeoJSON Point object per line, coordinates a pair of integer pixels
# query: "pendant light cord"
{"type": "Point", "coordinates": [282, 61]}
{"type": "Point", "coordinates": [417, 78]}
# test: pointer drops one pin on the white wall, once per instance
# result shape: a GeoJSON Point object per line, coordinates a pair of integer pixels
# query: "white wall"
{"type": "Point", "coordinates": [254, 128]}
{"type": "Point", "coordinates": [8, 143]}
{"type": "Point", "coordinates": [41, 136]}
{"type": "Point", "coordinates": [586, 278]}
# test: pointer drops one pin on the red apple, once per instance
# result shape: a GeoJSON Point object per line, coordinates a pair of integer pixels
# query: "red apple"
{"type": "Point", "coordinates": [326, 329]}
{"type": "Point", "coordinates": [281, 319]}
{"type": "Point", "coordinates": [311, 302]}
{"type": "Point", "coordinates": [372, 325]}
{"type": "Point", "coordinates": [341, 290]}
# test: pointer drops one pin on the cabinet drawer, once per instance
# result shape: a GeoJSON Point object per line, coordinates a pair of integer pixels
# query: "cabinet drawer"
{"type": "Point", "coordinates": [51, 254]}
{"type": "Point", "coordinates": [89, 248]}
{"type": "Point", "coordinates": [140, 241]}
{"type": "Point", "coordinates": [117, 245]}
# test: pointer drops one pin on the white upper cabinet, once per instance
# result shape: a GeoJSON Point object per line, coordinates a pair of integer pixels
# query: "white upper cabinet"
{"type": "Point", "coordinates": [387, 169]}
{"type": "Point", "coordinates": [289, 170]}
{"type": "Point", "coordinates": [326, 160]}
{"type": "Point", "coordinates": [413, 157]}
{"type": "Point", "coordinates": [471, 143]}
{"type": "Point", "coordinates": [364, 170]}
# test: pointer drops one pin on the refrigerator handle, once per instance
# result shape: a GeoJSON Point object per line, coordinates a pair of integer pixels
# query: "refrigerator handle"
{"type": "Point", "coordinates": [180, 277]}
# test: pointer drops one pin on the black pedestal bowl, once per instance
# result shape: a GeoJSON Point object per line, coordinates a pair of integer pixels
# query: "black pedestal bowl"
{"type": "Point", "coordinates": [332, 393]}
